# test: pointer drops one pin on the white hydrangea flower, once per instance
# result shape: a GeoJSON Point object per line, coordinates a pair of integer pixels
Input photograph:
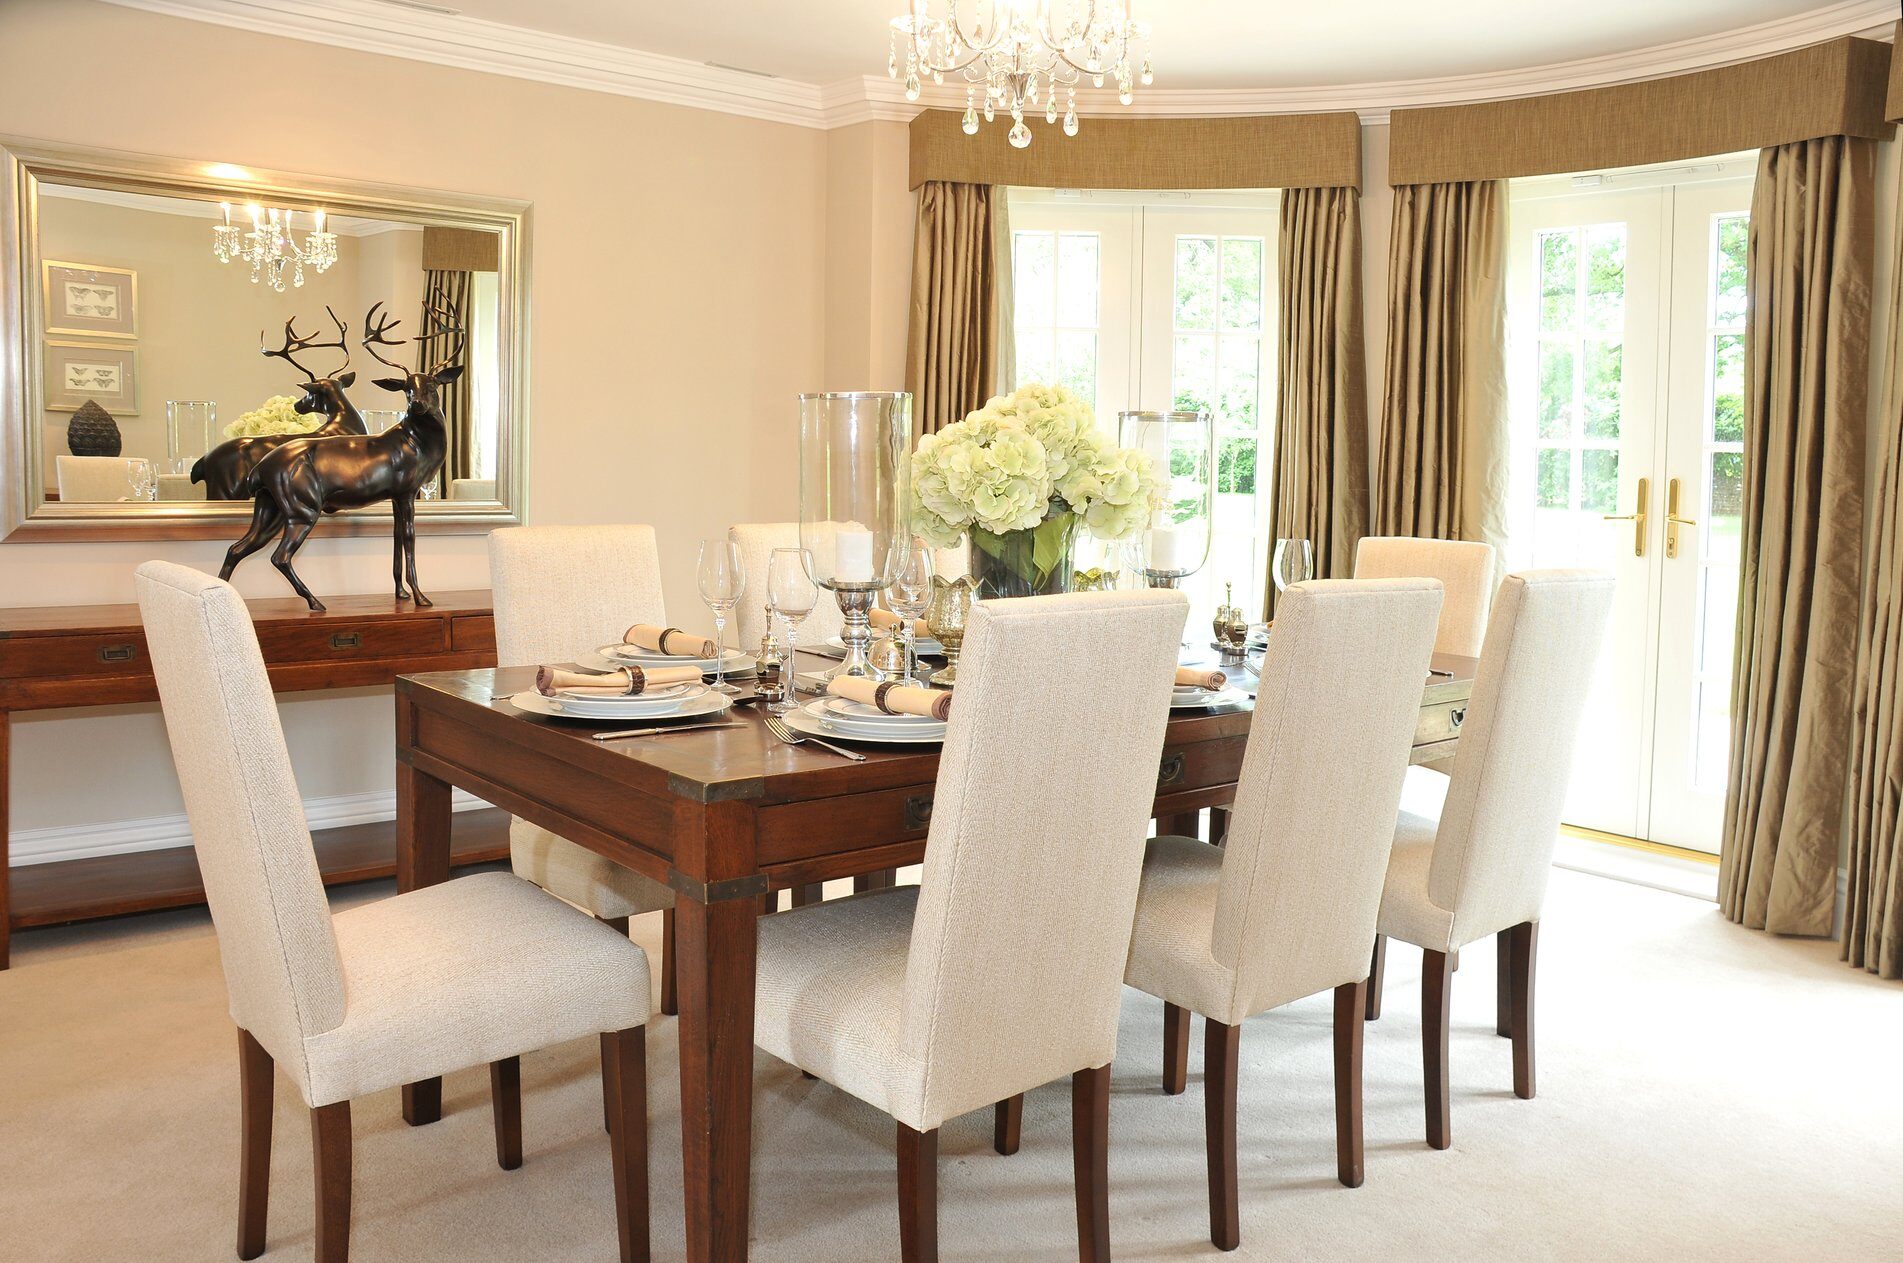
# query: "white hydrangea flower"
{"type": "Point", "coordinates": [276, 415]}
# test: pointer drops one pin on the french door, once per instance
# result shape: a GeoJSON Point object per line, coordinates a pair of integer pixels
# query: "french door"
{"type": "Point", "coordinates": [1626, 364]}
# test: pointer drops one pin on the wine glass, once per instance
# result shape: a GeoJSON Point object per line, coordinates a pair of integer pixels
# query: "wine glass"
{"type": "Point", "coordinates": [1294, 563]}
{"type": "Point", "coordinates": [790, 593]}
{"type": "Point", "coordinates": [144, 478]}
{"type": "Point", "coordinates": [722, 580]}
{"type": "Point", "coordinates": [910, 593]}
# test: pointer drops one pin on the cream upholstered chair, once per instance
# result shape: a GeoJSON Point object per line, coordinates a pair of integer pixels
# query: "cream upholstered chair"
{"type": "Point", "coordinates": [1001, 970]}
{"type": "Point", "coordinates": [1284, 908]}
{"type": "Point", "coordinates": [562, 591]}
{"type": "Point", "coordinates": [1482, 867]}
{"type": "Point", "coordinates": [757, 541]}
{"type": "Point", "coordinates": [1464, 569]}
{"type": "Point", "coordinates": [479, 969]}
{"type": "Point", "coordinates": [93, 479]}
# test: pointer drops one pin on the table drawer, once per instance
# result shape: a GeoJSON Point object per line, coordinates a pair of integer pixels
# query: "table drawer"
{"type": "Point", "coordinates": [81, 654]}
{"type": "Point", "coordinates": [473, 633]}
{"type": "Point", "coordinates": [1440, 722]}
{"type": "Point", "coordinates": [324, 640]}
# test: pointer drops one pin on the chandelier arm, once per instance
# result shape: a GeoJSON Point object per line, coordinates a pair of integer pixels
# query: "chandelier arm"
{"type": "Point", "coordinates": [957, 26]}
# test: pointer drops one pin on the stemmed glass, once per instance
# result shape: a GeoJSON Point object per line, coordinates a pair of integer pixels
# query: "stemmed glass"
{"type": "Point", "coordinates": [722, 580]}
{"type": "Point", "coordinates": [1294, 563]}
{"type": "Point", "coordinates": [144, 478]}
{"type": "Point", "coordinates": [790, 593]}
{"type": "Point", "coordinates": [910, 593]}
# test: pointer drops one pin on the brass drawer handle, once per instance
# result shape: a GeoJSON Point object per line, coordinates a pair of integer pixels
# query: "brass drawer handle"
{"type": "Point", "coordinates": [115, 653]}
{"type": "Point", "coordinates": [1455, 718]}
{"type": "Point", "coordinates": [918, 811]}
{"type": "Point", "coordinates": [346, 640]}
{"type": "Point", "coordinates": [1172, 769]}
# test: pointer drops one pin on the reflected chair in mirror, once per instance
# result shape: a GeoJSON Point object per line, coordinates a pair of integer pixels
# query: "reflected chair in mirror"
{"type": "Point", "coordinates": [1465, 571]}
{"type": "Point", "coordinates": [93, 479]}
{"type": "Point", "coordinates": [1002, 970]}
{"type": "Point", "coordinates": [476, 970]}
{"type": "Point", "coordinates": [1283, 909]}
{"type": "Point", "coordinates": [560, 592]}
{"type": "Point", "coordinates": [1481, 868]}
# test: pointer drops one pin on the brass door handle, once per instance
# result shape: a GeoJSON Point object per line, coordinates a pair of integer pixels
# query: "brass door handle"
{"type": "Point", "coordinates": [1637, 518]}
{"type": "Point", "coordinates": [1672, 519]}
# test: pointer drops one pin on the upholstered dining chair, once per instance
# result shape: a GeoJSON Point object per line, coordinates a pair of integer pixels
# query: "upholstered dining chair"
{"type": "Point", "coordinates": [1283, 909]}
{"type": "Point", "coordinates": [477, 970]}
{"type": "Point", "coordinates": [1001, 970]}
{"type": "Point", "coordinates": [561, 591]}
{"type": "Point", "coordinates": [1465, 571]}
{"type": "Point", "coordinates": [1481, 868]}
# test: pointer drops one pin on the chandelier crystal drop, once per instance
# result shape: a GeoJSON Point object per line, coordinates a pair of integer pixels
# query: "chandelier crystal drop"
{"type": "Point", "coordinates": [1011, 51]}
{"type": "Point", "coordinates": [271, 248]}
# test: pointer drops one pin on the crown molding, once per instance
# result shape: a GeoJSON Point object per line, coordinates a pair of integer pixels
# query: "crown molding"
{"type": "Point", "coordinates": [493, 48]}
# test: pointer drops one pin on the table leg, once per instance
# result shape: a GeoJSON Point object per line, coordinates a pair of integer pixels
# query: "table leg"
{"type": "Point", "coordinates": [6, 823]}
{"type": "Point", "coordinates": [422, 859]}
{"type": "Point", "coordinates": [1186, 824]}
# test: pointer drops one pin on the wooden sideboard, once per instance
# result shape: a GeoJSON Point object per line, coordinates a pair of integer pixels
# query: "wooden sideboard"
{"type": "Point", "coordinates": [54, 657]}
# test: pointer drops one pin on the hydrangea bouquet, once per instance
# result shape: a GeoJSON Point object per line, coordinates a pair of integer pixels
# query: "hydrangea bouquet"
{"type": "Point", "coordinates": [1019, 476]}
{"type": "Point", "coordinates": [276, 415]}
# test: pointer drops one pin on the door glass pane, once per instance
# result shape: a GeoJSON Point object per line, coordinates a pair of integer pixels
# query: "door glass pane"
{"type": "Point", "coordinates": [1724, 510]}
{"type": "Point", "coordinates": [1556, 390]}
{"type": "Point", "coordinates": [1605, 279]}
{"type": "Point", "coordinates": [1034, 282]}
{"type": "Point", "coordinates": [1559, 280]}
{"type": "Point", "coordinates": [1241, 384]}
{"type": "Point", "coordinates": [1195, 306]}
{"type": "Point", "coordinates": [1242, 283]}
{"type": "Point", "coordinates": [1077, 274]}
{"type": "Point", "coordinates": [1602, 388]}
{"type": "Point", "coordinates": [1556, 478]}
{"type": "Point", "coordinates": [1056, 308]}
{"type": "Point", "coordinates": [1077, 363]}
{"type": "Point", "coordinates": [1194, 373]}
{"type": "Point", "coordinates": [1036, 356]}
{"type": "Point", "coordinates": [1599, 480]}
{"type": "Point", "coordinates": [1727, 380]}
{"type": "Point", "coordinates": [1734, 233]}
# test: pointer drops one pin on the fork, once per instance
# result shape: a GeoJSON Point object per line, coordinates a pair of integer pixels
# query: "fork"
{"type": "Point", "coordinates": [778, 728]}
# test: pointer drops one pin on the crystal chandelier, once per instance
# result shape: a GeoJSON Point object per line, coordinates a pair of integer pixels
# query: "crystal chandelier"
{"type": "Point", "coordinates": [271, 248]}
{"type": "Point", "coordinates": [1018, 52]}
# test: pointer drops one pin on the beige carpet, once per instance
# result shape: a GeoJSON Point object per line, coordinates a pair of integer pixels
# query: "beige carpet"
{"type": "Point", "coordinates": [1705, 1092]}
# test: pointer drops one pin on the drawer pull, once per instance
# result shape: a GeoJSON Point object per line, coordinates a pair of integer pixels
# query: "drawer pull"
{"type": "Point", "coordinates": [346, 640]}
{"type": "Point", "coordinates": [918, 811]}
{"type": "Point", "coordinates": [1455, 718]}
{"type": "Point", "coordinates": [115, 653]}
{"type": "Point", "coordinates": [1172, 769]}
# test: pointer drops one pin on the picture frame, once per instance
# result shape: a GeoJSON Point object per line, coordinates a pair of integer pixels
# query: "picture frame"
{"type": "Point", "coordinates": [90, 300]}
{"type": "Point", "coordinates": [103, 373]}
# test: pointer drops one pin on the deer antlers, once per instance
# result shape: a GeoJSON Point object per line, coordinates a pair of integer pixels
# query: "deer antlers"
{"type": "Point", "coordinates": [293, 344]}
{"type": "Point", "coordinates": [445, 321]}
{"type": "Point", "coordinates": [374, 329]}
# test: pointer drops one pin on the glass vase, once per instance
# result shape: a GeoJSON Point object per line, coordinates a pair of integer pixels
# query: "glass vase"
{"type": "Point", "coordinates": [1031, 562]}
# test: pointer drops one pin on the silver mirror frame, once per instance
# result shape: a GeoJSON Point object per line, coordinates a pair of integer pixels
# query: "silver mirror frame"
{"type": "Point", "coordinates": [26, 514]}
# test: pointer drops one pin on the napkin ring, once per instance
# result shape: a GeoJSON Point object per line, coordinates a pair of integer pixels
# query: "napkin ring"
{"type": "Point", "coordinates": [665, 633]}
{"type": "Point", "coordinates": [637, 679]}
{"type": "Point", "coordinates": [878, 696]}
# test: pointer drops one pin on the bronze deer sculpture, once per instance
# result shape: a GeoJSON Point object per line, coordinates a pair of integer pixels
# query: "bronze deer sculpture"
{"type": "Point", "coordinates": [304, 479]}
{"type": "Point", "coordinates": [226, 470]}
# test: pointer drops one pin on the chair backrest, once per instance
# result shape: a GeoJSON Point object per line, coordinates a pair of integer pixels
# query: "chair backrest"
{"type": "Point", "coordinates": [254, 847]}
{"type": "Point", "coordinates": [1306, 855]}
{"type": "Point", "coordinates": [1494, 847]}
{"type": "Point", "coordinates": [757, 541]}
{"type": "Point", "coordinates": [1465, 571]}
{"type": "Point", "coordinates": [1044, 795]}
{"type": "Point", "coordinates": [565, 590]}
{"type": "Point", "coordinates": [93, 479]}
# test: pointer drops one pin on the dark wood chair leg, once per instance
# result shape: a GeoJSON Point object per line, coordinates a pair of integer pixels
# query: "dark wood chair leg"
{"type": "Point", "coordinates": [330, 1161]}
{"type": "Point", "coordinates": [505, 1099]}
{"type": "Point", "coordinates": [1437, 980]}
{"type": "Point", "coordinates": [1350, 1021]}
{"type": "Point", "coordinates": [1175, 1050]}
{"type": "Point", "coordinates": [1007, 1129]}
{"type": "Point", "coordinates": [810, 893]}
{"type": "Point", "coordinates": [1503, 986]}
{"type": "Point", "coordinates": [1218, 825]}
{"type": "Point", "coordinates": [607, 1084]}
{"type": "Point", "coordinates": [1090, 1156]}
{"type": "Point", "coordinates": [769, 903]}
{"type": "Point", "coordinates": [1376, 968]}
{"type": "Point", "coordinates": [255, 1093]}
{"type": "Point", "coordinates": [618, 924]}
{"type": "Point", "coordinates": [670, 998]}
{"type": "Point", "coordinates": [884, 879]}
{"type": "Point", "coordinates": [625, 1081]}
{"type": "Point", "coordinates": [1526, 937]}
{"type": "Point", "coordinates": [1221, 1046]}
{"type": "Point", "coordinates": [1188, 824]}
{"type": "Point", "coordinates": [918, 1195]}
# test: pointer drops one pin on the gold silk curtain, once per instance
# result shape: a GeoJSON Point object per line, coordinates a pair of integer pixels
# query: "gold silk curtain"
{"type": "Point", "coordinates": [1320, 488]}
{"type": "Point", "coordinates": [955, 330]}
{"type": "Point", "coordinates": [1807, 381]}
{"type": "Point", "coordinates": [1442, 467]}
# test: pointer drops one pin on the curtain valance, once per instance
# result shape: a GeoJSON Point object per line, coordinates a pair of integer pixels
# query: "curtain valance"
{"type": "Point", "coordinates": [459, 249]}
{"type": "Point", "coordinates": [1258, 151]}
{"type": "Point", "coordinates": [1831, 89]}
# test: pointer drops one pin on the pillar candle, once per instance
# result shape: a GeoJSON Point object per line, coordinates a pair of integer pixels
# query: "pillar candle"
{"type": "Point", "coordinates": [852, 555]}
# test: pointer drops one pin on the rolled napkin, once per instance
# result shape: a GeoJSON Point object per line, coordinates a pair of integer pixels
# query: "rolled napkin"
{"type": "Point", "coordinates": [623, 682]}
{"type": "Point", "coordinates": [669, 640]}
{"type": "Point", "coordinates": [1200, 677]}
{"type": "Point", "coordinates": [886, 620]}
{"type": "Point", "coordinates": [893, 699]}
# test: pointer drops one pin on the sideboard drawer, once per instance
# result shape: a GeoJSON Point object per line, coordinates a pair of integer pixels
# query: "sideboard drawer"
{"type": "Point", "coordinates": [82, 654]}
{"type": "Point", "coordinates": [1440, 722]}
{"type": "Point", "coordinates": [323, 640]}
{"type": "Point", "coordinates": [473, 633]}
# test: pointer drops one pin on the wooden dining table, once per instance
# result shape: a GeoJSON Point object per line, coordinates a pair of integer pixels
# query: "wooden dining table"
{"type": "Point", "coordinates": [724, 817]}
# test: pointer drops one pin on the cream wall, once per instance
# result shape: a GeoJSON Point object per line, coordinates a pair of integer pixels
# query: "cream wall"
{"type": "Point", "coordinates": [869, 220]}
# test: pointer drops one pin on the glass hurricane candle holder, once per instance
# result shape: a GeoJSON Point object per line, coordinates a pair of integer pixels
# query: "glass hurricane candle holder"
{"type": "Point", "coordinates": [852, 503]}
{"type": "Point", "coordinates": [189, 425]}
{"type": "Point", "coordinates": [1183, 444]}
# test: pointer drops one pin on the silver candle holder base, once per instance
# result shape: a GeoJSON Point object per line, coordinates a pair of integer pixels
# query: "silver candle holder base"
{"type": "Point", "coordinates": [855, 605]}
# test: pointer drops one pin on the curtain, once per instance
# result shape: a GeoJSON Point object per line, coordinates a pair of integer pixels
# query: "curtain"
{"type": "Point", "coordinates": [1807, 350]}
{"type": "Point", "coordinates": [951, 353]}
{"type": "Point", "coordinates": [1442, 467]}
{"type": "Point", "coordinates": [1320, 492]}
{"type": "Point", "coordinates": [448, 292]}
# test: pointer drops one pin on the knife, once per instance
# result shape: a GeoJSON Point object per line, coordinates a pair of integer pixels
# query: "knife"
{"type": "Point", "coordinates": [663, 731]}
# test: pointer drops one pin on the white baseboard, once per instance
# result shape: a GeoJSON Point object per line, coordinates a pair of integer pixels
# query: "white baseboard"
{"type": "Point", "coordinates": [1695, 878]}
{"type": "Point", "coordinates": [158, 833]}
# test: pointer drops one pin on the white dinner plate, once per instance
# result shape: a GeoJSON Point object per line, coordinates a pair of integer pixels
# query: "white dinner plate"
{"type": "Point", "coordinates": [803, 720]}
{"type": "Point", "coordinates": [603, 659]}
{"type": "Point", "coordinates": [1199, 699]}
{"type": "Point", "coordinates": [839, 708]}
{"type": "Point", "coordinates": [927, 647]}
{"type": "Point", "coordinates": [640, 706]}
{"type": "Point", "coordinates": [709, 703]}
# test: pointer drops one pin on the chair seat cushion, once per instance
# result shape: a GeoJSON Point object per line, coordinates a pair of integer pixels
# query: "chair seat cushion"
{"type": "Point", "coordinates": [827, 996]}
{"type": "Point", "coordinates": [569, 871]}
{"type": "Point", "coordinates": [465, 973]}
{"type": "Point", "coordinates": [1406, 911]}
{"type": "Point", "coordinates": [1171, 948]}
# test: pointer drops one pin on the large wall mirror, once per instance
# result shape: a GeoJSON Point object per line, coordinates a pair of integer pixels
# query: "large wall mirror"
{"type": "Point", "coordinates": [145, 320]}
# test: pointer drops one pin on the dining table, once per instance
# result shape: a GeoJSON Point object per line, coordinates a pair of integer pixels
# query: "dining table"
{"type": "Point", "coordinates": [724, 817]}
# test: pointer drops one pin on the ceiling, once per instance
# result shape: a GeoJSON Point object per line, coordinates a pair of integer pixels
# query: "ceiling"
{"type": "Point", "coordinates": [1198, 44]}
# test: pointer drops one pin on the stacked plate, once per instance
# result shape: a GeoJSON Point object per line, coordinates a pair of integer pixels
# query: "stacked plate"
{"type": "Point", "coordinates": [677, 701]}
{"type": "Point", "coordinates": [1192, 697]}
{"type": "Point", "coordinates": [837, 717]}
{"type": "Point", "coordinates": [623, 655]}
{"type": "Point", "coordinates": [834, 647]}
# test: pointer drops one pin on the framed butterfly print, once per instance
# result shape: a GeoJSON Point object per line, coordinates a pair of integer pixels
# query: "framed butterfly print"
{"type": "Point", "coordinates": [91, 300]}
{"type": "Point", "coordinates": [78, 371]}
